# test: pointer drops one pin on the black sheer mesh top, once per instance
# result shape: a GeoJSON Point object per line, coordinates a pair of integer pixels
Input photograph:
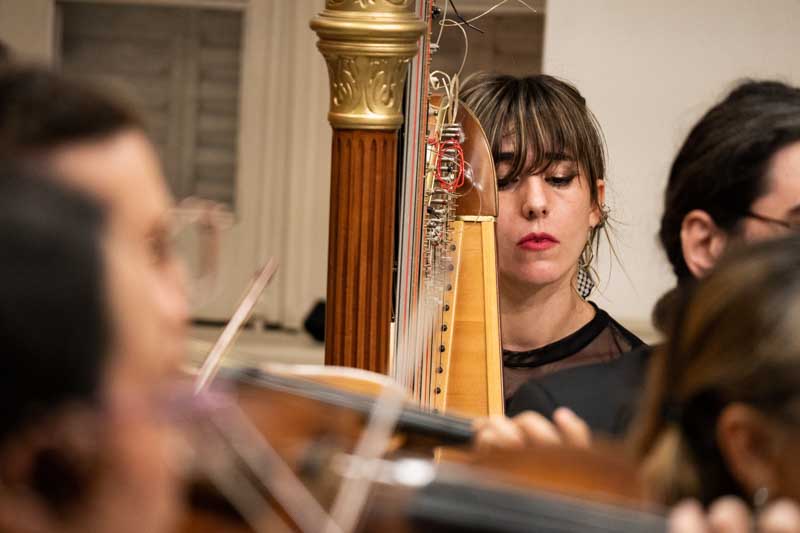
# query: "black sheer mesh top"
{"type": "Point", "coordinates": [601, 340]}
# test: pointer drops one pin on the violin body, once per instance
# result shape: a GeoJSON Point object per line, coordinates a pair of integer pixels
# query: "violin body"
{"type": "Point", "coordinates": [312, 427]}
{"type": "Point", "coordinates": [308, 422]}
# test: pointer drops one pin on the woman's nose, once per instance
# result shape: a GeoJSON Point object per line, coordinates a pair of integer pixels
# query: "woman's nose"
{"type": "Point", "coordinates": [534, 201]}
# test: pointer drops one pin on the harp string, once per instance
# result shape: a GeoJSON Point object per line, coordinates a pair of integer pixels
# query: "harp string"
{"type": "Point", "coordinates": [433, 168]}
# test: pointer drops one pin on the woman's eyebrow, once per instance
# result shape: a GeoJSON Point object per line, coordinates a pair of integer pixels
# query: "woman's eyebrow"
{"type": "Point", "coordinates": [504, 156]}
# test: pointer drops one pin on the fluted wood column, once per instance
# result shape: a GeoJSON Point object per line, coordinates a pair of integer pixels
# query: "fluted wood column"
{"type": "Point", "coordinates": [360, 249]}
{"type": "Point", "coordinates": [367, 45]}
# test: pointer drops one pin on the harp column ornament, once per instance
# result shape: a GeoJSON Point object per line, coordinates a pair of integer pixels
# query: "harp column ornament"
{"type": "Point", "coordinates": [367, 45]}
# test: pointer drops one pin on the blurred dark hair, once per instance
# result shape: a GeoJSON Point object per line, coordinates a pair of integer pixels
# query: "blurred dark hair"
{"type": "Point", "coordinates": [53, 318]}
{"type": "Point", "coordinates": [41, 110]}
{"type": "Point", "coordinates": [733, 339]}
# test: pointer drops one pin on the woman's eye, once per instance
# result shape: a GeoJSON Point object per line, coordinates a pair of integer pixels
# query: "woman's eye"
{"type": "Point", "coordinates": [560, 181]}
{"type": "Point", "coordinates": [507, 182]}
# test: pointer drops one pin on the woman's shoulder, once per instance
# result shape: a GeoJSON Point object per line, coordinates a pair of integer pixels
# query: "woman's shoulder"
{"type": "Point", "coordinates": [627, 340]}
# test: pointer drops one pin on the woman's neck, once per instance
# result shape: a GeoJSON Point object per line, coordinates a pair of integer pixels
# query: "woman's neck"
{"type": "Point", "coordinates": [530, 319]}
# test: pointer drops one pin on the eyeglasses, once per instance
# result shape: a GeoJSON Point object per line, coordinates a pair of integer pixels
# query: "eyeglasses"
{"type": "Point", "coordinates": [195, 237]}
{"type": "Point", "coordinates": [788, 224]}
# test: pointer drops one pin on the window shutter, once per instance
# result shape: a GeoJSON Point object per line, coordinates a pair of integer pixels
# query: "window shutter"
{"type": "Point", "coordinates": [182, 66]}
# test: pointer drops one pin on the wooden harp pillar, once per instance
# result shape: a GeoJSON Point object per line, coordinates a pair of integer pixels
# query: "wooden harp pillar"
{"type": "Point", "coordinates": [367, 45]}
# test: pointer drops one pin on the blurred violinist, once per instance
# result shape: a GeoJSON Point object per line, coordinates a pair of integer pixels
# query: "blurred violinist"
{"type": "Point", "coordinates": [92, 141]}
{"type": "Point", "coordinates": [84, 442]}
{"type": "Point", "coordinates": [86, 139]}
{"type": "Point", "coordinates": [722, 410]}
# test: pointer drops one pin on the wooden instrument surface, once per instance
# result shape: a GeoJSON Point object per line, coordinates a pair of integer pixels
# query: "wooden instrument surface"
{"type": "Point", "coordinates": [470, 380]}
{"type": "Point", "coordinates": [564, 487]}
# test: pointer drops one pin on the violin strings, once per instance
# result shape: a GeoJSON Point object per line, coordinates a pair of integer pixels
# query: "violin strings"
{"type": "Point", "coordinates": [353, 493]}
{"type": "Point", "coordinates": [242, 493]}
{"type": "Point", "coordinates": [254, 452]}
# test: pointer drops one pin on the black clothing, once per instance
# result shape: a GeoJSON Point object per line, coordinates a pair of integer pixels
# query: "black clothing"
{"type": "Point", "coordinates": [598, 372]}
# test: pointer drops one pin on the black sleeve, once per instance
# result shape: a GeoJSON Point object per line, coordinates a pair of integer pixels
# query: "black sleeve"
{"type": "Point", "coordinates": [531, 396]}
{"type": "Point", "coordinates": [605, 395]}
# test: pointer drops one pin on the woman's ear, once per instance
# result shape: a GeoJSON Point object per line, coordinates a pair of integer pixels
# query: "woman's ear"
{"type": "Point", "coordinates": [702, 242]}
{"type": "Point", "coordinates": [749, 446]}
{"type": "Point", "coordinates": [596, 216]}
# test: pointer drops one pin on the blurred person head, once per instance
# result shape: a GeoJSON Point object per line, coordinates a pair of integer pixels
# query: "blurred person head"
{"type": "Point", "coordinates": [84, 445]}
{"type": "Point", "coordinates": [722, 408]}
{"type": "Point", "coordinates": [95, 142]}
{"type": "Point", "coordinates": [736, 179]}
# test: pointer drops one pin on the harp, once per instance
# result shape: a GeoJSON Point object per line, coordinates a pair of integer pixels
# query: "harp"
{"type": "Point", "coordinates": [433, 195]}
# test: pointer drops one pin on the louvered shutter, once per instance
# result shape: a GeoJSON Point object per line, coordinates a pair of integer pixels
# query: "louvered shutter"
{"type": "Point", "coordinates": [182, 65]}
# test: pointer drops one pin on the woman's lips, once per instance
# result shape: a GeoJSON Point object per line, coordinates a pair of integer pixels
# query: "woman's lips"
{"type": "Point", "coordinates": [537, 242]}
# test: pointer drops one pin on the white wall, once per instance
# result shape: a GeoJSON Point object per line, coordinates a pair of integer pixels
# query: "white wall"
{"type": "Point", "coordinates": [649, 69]}
{"type": "Point", "coordinates": [27, 27]}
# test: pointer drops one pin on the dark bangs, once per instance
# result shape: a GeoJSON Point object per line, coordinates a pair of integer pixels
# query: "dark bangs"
{"type": "Point", "coordinates": [546, 119]}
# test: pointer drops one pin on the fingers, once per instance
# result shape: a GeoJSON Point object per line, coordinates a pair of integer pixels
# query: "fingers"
{"type": "Point", "coordinates": [783, 516]}
{"type": "Point", "coordinates": [729, 515]}
{"type": "Point", "coordinates": [536, 429]}
{"type": "Point", "coordinates": [574, 430]}
{"type": "Point", "coordinates": [530, 428]}
{"type": "Point", "coordinates": [497, 432]}
{"type": "Point", "coordinates": [687, 517]}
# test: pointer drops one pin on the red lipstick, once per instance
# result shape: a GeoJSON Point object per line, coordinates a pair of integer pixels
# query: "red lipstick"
{"type": "Point", "coordinates": [537, 242]}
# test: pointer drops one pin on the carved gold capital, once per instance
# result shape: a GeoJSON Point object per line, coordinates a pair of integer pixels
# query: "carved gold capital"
{"type": "Point", "coordinates": [367, 45]}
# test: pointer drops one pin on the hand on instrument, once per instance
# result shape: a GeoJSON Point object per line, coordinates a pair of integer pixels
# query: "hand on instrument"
{"type": "Point", "coordinates": [731, 515]}
{"type": "Point", "coordinates": [530, 428]}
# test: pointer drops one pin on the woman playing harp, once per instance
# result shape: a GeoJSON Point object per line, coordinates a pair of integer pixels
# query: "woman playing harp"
{"type": "Point", "coordinates": [549, 156]}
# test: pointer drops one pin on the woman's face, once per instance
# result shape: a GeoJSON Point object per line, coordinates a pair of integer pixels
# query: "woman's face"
{"type": "Point", "coordinates": [544, 221]}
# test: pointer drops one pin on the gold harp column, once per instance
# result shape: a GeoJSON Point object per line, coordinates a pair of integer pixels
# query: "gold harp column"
{"type": "Point", "coordinates": [367, 45]}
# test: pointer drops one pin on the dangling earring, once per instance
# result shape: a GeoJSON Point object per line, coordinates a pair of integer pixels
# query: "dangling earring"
{"type": "Point", "coordinates": [584, 283]}
{"type": "Point", "coordinates": [585, 280]}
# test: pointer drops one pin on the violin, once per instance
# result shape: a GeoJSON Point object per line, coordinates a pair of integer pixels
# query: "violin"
{"type": "Point", "coordinates": [290, 450]}
{"type": "Point", "coordinates": [316, 441]}
{"type": "Point", "coordinates": [540, 489]}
